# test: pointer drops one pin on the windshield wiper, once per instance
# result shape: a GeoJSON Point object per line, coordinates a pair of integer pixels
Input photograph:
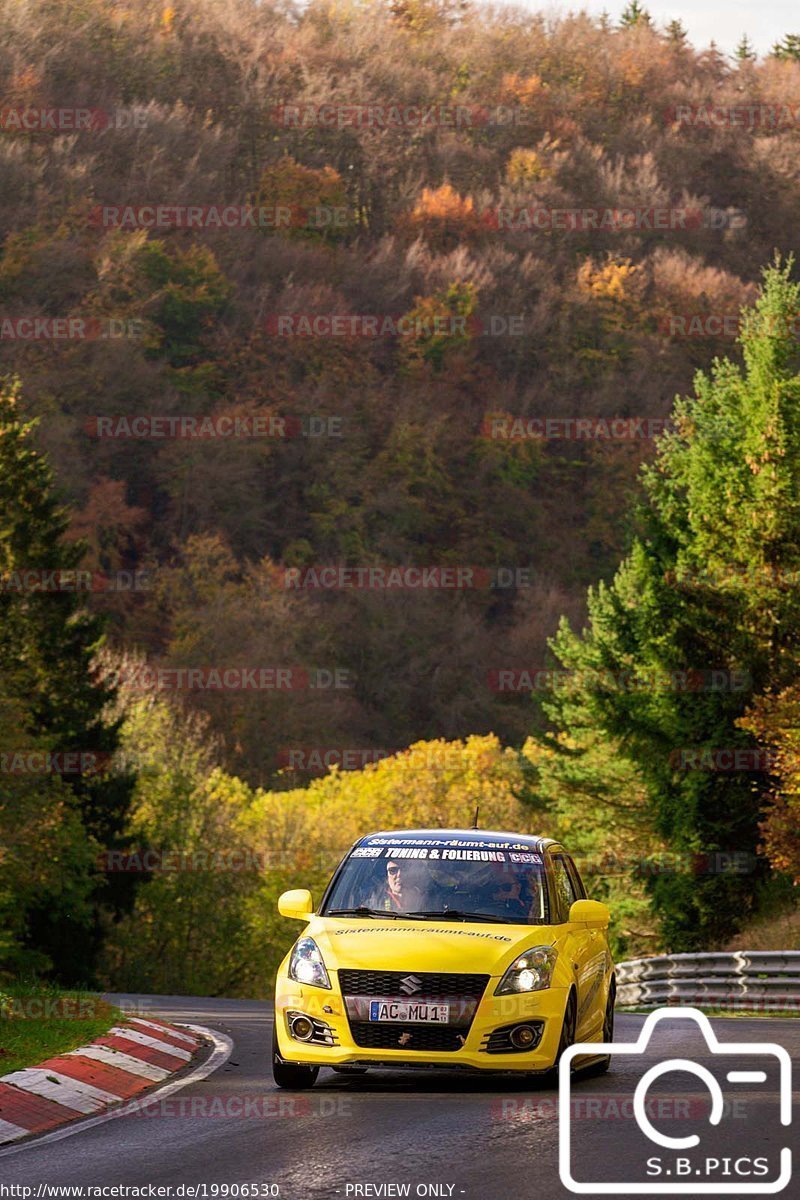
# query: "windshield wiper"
{"type": "Point", "coordinates": [457, 914]}
{"type": "Point", "coordinates": [364, 911]}
{"type": "Point", "coordinates": [449, 914]}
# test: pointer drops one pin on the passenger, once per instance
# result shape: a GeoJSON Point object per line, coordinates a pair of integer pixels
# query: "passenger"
{"type": "Point", "coordinates": [513, 895]}
{"type": "Point", "coordinates": [508, 896]}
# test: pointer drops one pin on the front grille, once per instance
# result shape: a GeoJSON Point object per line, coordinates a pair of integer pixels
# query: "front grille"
{"type": "Point", "coordinates": [433, 984]}
{"type": "Point", "coordinates": [390, 1036]}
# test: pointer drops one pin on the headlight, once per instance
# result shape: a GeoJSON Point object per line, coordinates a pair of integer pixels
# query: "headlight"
{"type": "Point", "coordinates": [531, 972]}
{"type": "Point", "coordinates": [306, 964]}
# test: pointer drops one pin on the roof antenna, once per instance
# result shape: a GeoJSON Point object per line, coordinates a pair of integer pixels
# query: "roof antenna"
{"type": "Point", "coordinates": [477, 809]}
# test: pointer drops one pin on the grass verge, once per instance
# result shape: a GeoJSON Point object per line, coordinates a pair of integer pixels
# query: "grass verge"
{"type": "Point", "coordinates": [39, 1020]}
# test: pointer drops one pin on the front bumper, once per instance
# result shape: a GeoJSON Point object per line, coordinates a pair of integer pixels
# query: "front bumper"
{"type": "Point", "coordinates": [544, 1009]}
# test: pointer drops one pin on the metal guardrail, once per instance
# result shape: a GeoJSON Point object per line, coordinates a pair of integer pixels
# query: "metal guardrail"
{"type": "Point", "coordinates": [756, 980]}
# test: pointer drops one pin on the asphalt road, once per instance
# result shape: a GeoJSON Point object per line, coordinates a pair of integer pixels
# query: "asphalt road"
{"type": "Point", "coordinates": [376, 1135]}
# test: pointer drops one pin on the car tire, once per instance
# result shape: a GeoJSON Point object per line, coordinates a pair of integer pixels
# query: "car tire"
{"type": "Point", "coordinates": [290, 1075]}
{"type": "Point", "coordinates": [608, 1030]}
{"type": "Point", "coordinates": [568, 1028]}
{"type": "Point", "coordinates": [600, 1065]}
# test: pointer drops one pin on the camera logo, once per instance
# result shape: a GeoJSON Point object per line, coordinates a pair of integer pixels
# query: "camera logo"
{"type": "Point", "coordinates": [758, 1072]}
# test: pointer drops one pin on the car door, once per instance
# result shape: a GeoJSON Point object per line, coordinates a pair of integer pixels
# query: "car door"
{"type": "Point", "coordinates": [600, 963]}
{"type": "Point", "coordinates": [584, 948]}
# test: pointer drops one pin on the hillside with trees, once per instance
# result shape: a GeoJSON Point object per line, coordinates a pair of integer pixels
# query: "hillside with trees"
{"type": "Point", "coordinates": [474, 226]}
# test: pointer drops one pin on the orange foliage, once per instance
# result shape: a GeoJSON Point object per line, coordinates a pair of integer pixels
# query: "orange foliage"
{"type": "Point", "coordinates": [444, 218]}
{"type": "Point", "coordinates": [522, 89]}
{"type": "Point", "coordinates": [310, 202]}
{"type": "Point", "coordinates": [775, 721]}
{"type": "Point", "coordinates": [441, 325]}
{"type": "Point", "coordinates": [109, 524]}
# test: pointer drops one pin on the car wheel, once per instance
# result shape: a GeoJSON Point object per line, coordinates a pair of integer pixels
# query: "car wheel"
{"type": "Point", "coordinates": [567, 1038]}
{"type": "Point", "coordinates": [608, 1030]}
{"type": "Point", "coordinates": [599, 1066]}
{"type": "Point", "coordinates": [290, 1075]}
{"type": "Point", "coordinates": [567, 1027]}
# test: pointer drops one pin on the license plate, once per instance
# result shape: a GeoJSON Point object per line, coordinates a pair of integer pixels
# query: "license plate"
{"type": "Point", "coordinates": [409, 1011]}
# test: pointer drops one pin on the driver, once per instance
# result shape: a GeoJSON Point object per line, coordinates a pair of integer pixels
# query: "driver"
{"type": "Point", "coordinates": [399, 892]}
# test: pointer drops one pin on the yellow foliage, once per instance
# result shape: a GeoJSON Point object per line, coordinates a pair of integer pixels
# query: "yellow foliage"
{"type": "Point", "coordinates": [526, 166]}
{"type": "Point", "coordinates": [607, 282]}
{"type": "Point", "coordinates": [426, 16]}
{"type": "Point", "coordinates": [433, 784]}
{"type": "Point", "coordinates": [167, 19]}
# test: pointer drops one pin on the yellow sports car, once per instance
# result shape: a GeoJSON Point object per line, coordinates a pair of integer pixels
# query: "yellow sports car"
{"type": "Point", "coordinates": [444, 948]}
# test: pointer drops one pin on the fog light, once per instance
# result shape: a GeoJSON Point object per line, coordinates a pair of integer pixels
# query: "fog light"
{"type": "Point", "coordinates": [301, 1028]}
{"type": "Point", "coordinates": [522, 1037]}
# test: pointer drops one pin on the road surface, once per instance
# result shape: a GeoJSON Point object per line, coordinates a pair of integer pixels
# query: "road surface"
{"type": "Point", "coordinates": [421, 1134]}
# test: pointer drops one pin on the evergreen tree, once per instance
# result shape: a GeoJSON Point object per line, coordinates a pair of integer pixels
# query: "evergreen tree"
{"type": "Point", "coordinates": [788, 48]}
{"type": "Point", "coordinates": [676, 33]}
{"type": "Point", "coordinates": [47, 643]}
{"type": "Point", "coordinates": [46, 858]}
{"type": "Point", "coordinates": [703, 590]}
{"type": "Point", "coordinates": [634, 14]}
{"type": "Point", "coordinates": [744, 51]}
{"type": "Point", "coordinates": [714, 62]}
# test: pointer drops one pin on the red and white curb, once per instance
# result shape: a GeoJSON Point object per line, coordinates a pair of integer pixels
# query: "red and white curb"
{"type": "Point", "coordinates": [128, 1060]}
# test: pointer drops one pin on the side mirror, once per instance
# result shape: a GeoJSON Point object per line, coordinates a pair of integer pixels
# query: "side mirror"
{"type": "Point", "coordinates": [591, 913]}
{"type": "Point", "coordinates": [296, 904]}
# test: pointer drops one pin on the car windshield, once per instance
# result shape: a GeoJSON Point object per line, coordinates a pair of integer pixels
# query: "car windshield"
{"type": "Point", "coordinates": [441, 881]}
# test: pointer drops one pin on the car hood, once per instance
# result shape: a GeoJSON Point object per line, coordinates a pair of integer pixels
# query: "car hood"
{"type": "Point", "coordinates": [395, 945]}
